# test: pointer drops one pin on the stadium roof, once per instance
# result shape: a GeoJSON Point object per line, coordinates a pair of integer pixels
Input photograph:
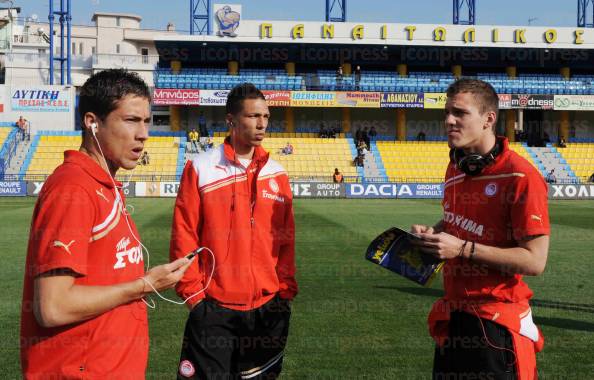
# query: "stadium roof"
{"type": "Point", "coordinates": [127, 15]}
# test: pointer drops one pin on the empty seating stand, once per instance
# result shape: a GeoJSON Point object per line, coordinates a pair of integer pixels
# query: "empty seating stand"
{"type": "Point", "coordinates": [580, 157]}
{"type": "Point", "coordinates": [47, 152]}
{"type": "Point", "coordinates": [416, 161]}
{"type": "Point", "coordinates": [379, 81]}
{"type": "Point", "coordinates": [313, 157]}
{"type": "Point", "coordinates": [218, 79]}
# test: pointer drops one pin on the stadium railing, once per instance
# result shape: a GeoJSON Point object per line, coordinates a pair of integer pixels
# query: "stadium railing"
{"type": "Point", "coordinates": [9, 148]}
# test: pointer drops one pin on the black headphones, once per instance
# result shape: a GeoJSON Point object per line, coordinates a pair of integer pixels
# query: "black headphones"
{"type": "Point", "coordinates": [473, 164]}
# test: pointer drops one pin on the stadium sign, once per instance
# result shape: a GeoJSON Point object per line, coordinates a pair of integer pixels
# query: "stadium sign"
{"type": "Point", "coordinates": [571, 191]}
{"type": "Point", "coordinates": [421, 190]}
{"type": "Point", "coordinates": [533, 102]}
{"type": "Point", "coordinates": [318, 190]}
{"type": "Point", "coordinates": [33, 188]}
{"type": "Point", "coordinates": [394, 190]}
{"type": "Point", "coordinates": [213, 97]}
{"type": "Point", "coordinates": [40, 99]}
{"type": "Point", "coordinates": [129, 189]}
{"type": "Point", "coordinates": [574, 103]}
{"type": "Point", "coordinates": [371, 190]}
{"type": "Point", "coordinates": [402, 100]}
{"type": "Point", "coordinates": [227, 19]}
{"type": "Point", "coordinates": [13, 189]}
{"type": "Point", "coordinates": [171, 97]}
{"type": "Point", "coordinates": [505, 102]}
{"type": "Point", "coordinates": [358, 99]}
{"type": "Point", "coordinates": [435, 100]}
{"type": "Point", "coordinates": [313, 99]}
{"type": "Point", "coordinates": [156, 189]}
{"type": "Point", "coordinates": [277, 98]}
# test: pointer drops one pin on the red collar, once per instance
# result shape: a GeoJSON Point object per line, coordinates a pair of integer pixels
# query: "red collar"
{"type": "Point", "coordinates": [501, 157]}
{"type": "Point", "coordinates": [83, 160]}
{"type": "Point", "coordinates": [504, 143]}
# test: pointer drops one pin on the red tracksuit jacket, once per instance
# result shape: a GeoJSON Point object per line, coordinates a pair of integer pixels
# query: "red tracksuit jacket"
{"type": "Point", "coordinates": [245, 216]}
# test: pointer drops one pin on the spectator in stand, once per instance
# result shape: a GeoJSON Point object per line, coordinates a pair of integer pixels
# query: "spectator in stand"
{"type": "Point", "coordinates": [21, 123]}
{"type": "Point", "coordinates": [339, 76]}
{"type": "Point", "coordinates": [360, 146]}
{"type": "Point", "coordinates": [372, 133]}
{"type": "Point", "coordinates": [361, 156]}
{"type": "Point", "coordinates": [357, 78]}
{"type": "Point", "coordinates": [546, 139]}
{"type": "Point", "coordinates": [331, 133]}
{"type": "Point", "coordinates": [193, 136]}
{"type": "Point", "coordinates": [358, 136]}
{"type": "Point", "coordinates": [337, 130]}
{"type": "Point", "coordinates": [365, 138]}
{"type": "Point", "coordinates": [23, 126]}
{"type": "Point", "coordinates": [591, 179]}
{"type": "Point", "coordinates": [337, 176]}
{"type": "Point", "coordinates": [421, 136]}
{"type": "Point", "coordinates": [551, 177]}
{"type": "Point", "coordinates": [361, 152]}
{"type": "Point", "coordinates": [288, 149]}
{"type": "Point", "coordinates": [323, 131]}
{"type": "Point", "coordinates": [145, 159]}
{"type": "Point", "coordinates": [202, 126]}
{"type": "Point", "coordinates": [562, 143]}
{"type": "Point", "coordinates": [364, 150]}
{"type": "Point", "coordinates": [207, 145]}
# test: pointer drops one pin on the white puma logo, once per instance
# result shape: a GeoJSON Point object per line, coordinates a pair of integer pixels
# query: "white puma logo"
{"type": "Point", "coordinates": [100, 193]}
{"type": "Point", "coordinates": [58, 243]}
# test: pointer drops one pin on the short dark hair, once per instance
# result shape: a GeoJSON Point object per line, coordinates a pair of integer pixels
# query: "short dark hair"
{"type": "Point", "coordinates": [485, 95]}
{"type": "Point", "coordinates": [103, 90]}
{"type": "Point", "coordinates": [240, 93]}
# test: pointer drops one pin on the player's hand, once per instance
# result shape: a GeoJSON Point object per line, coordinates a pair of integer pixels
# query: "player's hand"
{"type": "Point", "coordinates": [441, 245]}
{"type": "Point", "coordinates": [165, 276]}
{"type": "Point", "coordinates": [420, 229]}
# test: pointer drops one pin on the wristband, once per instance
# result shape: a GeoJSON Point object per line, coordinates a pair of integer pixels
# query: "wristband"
{"type": "Point", "coordinates": [472, 252]}
{"type": "Point", "coordinates": [461, 252]}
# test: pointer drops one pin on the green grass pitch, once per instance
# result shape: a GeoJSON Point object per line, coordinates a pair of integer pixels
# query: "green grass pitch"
{"type": "Point", "coordinates": [351, 318]}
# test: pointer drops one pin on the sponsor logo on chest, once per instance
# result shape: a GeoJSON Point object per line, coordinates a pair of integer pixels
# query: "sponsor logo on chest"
{"type": "Point", "coordinates": [274, 197]}
{"type": "Point", "coordinates": [125, 255]}
{"type": "Point", "coordinates": [464, 223]}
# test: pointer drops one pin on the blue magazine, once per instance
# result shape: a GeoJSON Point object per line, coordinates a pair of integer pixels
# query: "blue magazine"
{"type": "Point", "coordinates": [393, 250]}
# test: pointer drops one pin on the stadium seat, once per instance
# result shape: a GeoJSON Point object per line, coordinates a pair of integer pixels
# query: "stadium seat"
{"type": "Point", "coordinates": [49, 153]}
{"type": "Point", "coordinates": [580, 157]}
{"type": "Point", "coordinates": [313, 158]}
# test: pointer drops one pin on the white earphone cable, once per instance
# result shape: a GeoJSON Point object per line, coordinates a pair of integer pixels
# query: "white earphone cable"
{"type": "Point", "coordinates": [118, 198]}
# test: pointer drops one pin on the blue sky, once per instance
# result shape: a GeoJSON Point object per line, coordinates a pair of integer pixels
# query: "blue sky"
{"type": "Point", "coordinates": [156, 13]}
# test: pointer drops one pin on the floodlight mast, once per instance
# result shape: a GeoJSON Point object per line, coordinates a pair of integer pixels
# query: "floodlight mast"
{"type": "Point", "coordinates": [65, 58]}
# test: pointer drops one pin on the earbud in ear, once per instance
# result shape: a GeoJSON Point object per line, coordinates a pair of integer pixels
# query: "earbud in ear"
{"type": "Point", "coordinates": [94, 128]}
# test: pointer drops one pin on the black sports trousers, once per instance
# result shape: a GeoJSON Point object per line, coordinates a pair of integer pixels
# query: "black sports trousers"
{"type": "Point", "coordinates": [221, 343]}
{"type": "Point", "coordinates": [467, 355]}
